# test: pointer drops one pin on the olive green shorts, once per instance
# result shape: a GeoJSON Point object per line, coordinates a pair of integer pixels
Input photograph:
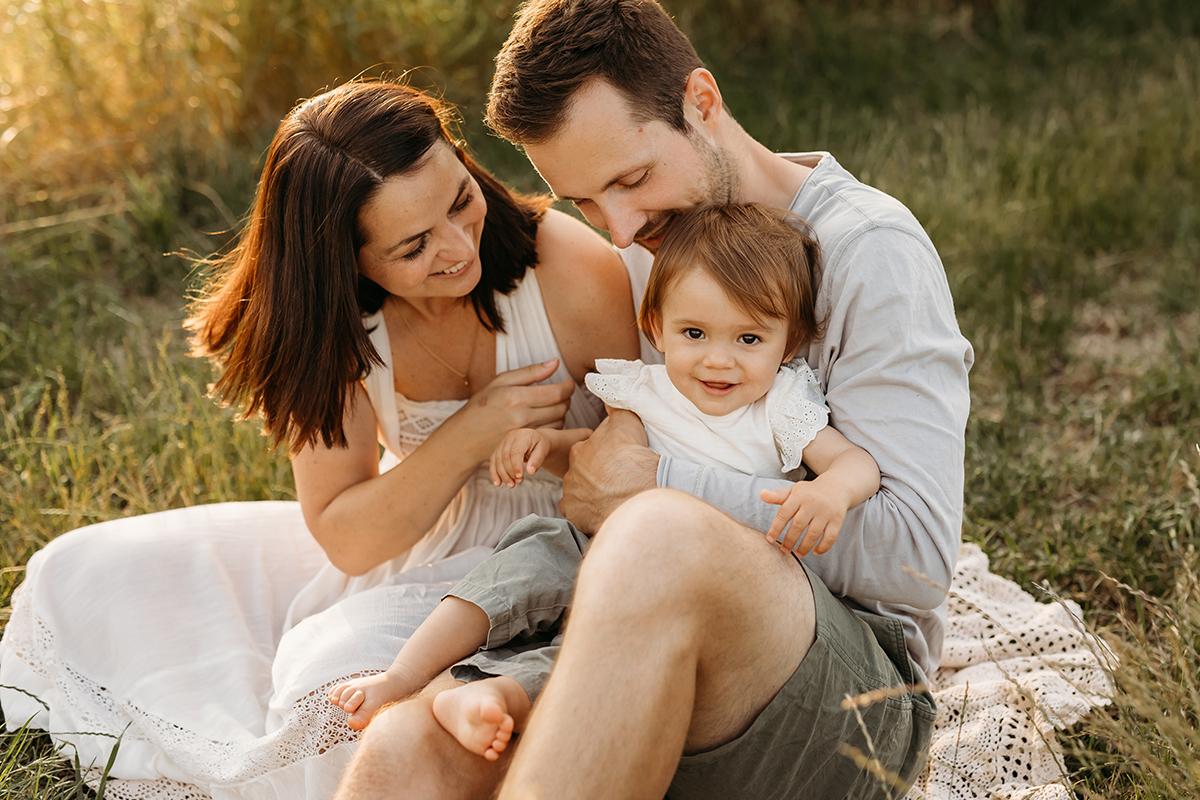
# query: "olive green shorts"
{"type": "Point", "coordinates": [794, 749]}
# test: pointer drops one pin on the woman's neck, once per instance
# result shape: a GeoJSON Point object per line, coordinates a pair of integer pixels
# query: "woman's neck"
{"type": "Point", "coordinates": [431, 309]}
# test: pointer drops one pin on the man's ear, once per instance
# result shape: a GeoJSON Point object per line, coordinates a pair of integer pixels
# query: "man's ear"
{"type": "Point", "coordinates": [702, 98]}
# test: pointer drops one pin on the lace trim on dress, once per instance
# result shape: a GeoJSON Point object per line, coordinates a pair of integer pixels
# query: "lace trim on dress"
{"type": "Point", "coordinates": [419, 420]}
{"type": "Point", "coordinates": [312, 727]}
{"type": "Point", "coordinates": [614, 380]}
{"type": "Point", "coordinates": [796, 412]}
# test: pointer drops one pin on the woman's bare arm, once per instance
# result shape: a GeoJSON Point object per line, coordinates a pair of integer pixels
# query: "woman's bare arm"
{"type": "Point", "coordinates": [362, 518]}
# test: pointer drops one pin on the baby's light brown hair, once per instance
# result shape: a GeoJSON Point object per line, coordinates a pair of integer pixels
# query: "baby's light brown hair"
{"type": "Point", "coordinates": [766, 259]}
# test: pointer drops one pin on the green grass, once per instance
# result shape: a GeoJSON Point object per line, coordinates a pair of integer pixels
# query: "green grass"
{"type": "Point", "coordinates": [1049, 148]}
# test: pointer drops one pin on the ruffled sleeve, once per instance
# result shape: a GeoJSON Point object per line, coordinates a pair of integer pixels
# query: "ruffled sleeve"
{"type": "Point", "coordinates": [615, 380]}
{"type": "Point", "coordinates": [796, 411]}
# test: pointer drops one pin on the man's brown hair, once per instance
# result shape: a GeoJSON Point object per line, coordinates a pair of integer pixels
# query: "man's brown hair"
{"type": "Point", "coordinates": [558, 46]}
{"type": "Point", "coordinates": [765, 259]}
{"type": "Point", "coordinates": [282, 311]}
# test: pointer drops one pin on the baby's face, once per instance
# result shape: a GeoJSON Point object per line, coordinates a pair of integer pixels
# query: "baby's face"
{"type": "Point", "coordinates": [717, 355]}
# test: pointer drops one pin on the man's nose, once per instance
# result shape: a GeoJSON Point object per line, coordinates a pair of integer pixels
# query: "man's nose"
{"type": "Point", "coordinates": [621, 222]}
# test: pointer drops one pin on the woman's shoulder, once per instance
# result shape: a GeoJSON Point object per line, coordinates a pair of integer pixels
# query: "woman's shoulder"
{"type": "Point", "coordinates": [578, 270]}
{"type": "Point", "coordinates": [567, 247]}
{"type": "Point", "coordinates": [586, 292]}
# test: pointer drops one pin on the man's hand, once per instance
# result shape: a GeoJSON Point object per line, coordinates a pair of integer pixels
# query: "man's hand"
{"type": "Point", "coordinates": [607, 469]}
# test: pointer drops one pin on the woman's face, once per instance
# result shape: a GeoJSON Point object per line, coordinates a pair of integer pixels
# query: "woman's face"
{"type": "Point", "coordinates": [422, 230]}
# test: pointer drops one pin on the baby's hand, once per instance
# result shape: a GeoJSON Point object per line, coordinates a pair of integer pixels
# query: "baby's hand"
{"type": "Point", "coordinates": [815, 510]}
{"type": "Point", "coordinates": [521, 450]}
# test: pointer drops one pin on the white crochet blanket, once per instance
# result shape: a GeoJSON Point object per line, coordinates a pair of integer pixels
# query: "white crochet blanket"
{"type": "Point", "coordinates": [1013, 669]}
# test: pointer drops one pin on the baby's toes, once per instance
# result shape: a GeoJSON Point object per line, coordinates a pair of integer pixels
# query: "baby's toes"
{"type": "Point", "coordinates": [351, 700]}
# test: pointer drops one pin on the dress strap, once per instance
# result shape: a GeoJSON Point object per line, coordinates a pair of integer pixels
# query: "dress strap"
{"type": "Point", "coordinates": [528, 339]}
{"type": "Point", "coordinates": [380, 385]}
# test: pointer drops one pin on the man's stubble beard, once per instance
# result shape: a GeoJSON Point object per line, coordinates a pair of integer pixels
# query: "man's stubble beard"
{"type": "Point", "coordinates": [719, 184]}
{"type": "Point", "coordinates": [720, 177]}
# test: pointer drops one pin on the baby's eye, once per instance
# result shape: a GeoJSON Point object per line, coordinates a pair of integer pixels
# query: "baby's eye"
{"type": "Point", "coordinates": [749, 338]}
{"type": "Point", "coordinates": [693, 333]}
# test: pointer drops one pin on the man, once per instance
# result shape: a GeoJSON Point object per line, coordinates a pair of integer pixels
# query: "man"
{"type": "Point", "coordinates": [700, 661]}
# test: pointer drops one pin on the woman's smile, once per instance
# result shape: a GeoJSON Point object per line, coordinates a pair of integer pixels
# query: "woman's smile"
{"type": "Point", "coordinates": [455, 269]}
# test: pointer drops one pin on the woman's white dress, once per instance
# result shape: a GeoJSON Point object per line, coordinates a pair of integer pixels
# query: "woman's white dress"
{"type": "Point", "coordinates": [207, 637]}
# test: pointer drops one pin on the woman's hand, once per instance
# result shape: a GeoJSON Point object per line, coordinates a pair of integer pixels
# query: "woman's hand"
{"type": "Point", "coordinates": [509, 402]}
{"type": "Point", "coordinates": [362, 518]}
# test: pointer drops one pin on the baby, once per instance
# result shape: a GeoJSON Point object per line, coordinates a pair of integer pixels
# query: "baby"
{"type": "Point", "coordinates": [730, 300]}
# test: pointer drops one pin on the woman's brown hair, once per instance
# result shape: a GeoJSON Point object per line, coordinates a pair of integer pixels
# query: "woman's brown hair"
{"type": "Point", "coordinates": [767, 260]}
{"type": "Point", "coordinates": [282, 311]}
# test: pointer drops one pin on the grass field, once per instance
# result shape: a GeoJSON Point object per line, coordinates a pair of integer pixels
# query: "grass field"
{"type": "Point", "coordinates": [1052, 150]}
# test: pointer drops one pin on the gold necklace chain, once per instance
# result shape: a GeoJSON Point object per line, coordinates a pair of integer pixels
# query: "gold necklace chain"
{"type": "Point", "coordinates": [466, 381]}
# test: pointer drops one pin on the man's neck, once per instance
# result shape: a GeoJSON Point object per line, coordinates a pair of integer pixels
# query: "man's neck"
{"type": "Point", "coordinates": [763, 176]}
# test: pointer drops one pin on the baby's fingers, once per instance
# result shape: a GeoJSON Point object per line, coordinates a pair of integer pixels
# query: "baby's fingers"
{"type": "Point", "coordinates": [805, 537]}
{"type": "Point", "coordinates": [498, 466]}
{"type": "Point", "coordinates": [514, 465]}
{"type": "Point", "coordinates": [798, 533]}
{"type": "Point", "coordinates": [507, 461]}
{"type": "Point", "coordinates": [536, 456]}
{"type": "Point", "coordinates": [828, 537]}
{"type": "Point", "coordinates": [494, 469]}
{"type": "Point", "coordinates": [782, 517]}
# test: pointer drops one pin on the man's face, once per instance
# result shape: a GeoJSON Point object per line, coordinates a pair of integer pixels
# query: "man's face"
{"type": "Point", "coordinates": [627, 177]}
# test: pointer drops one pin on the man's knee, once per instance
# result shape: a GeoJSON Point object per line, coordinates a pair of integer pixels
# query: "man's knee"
{"type": "Point", "coordinates": [661, 546]}
{"type": "Point", "coordinates": [396, 732]}
{"type": "Point", "coordinates": [667, 520]}
{"type": "Point", "coordinates": [405, 752]}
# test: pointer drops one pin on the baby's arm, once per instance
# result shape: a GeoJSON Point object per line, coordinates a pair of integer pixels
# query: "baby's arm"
{"type": "Point", "coordinates": [529, 449]}
{"type": "Point", "coordinates": [846, 476]}
{"type": "Point", "coordinates": [455, 630]}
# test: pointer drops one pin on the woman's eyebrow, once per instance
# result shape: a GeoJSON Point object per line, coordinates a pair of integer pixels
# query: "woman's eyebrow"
{"type": "Point", "coordinates": [462, 187]}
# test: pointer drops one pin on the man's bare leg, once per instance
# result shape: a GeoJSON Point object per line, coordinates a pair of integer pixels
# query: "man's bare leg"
{"type": "Point", "coordinates": [684, 626]}
{"type": "Point", "coordinates": [406, 753]}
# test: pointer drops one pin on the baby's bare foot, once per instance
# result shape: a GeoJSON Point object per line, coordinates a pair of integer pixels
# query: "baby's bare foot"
{"type": "Point", "coordinates": [483, 715]}
{"type": "Point", "coordinates": [362, 697]}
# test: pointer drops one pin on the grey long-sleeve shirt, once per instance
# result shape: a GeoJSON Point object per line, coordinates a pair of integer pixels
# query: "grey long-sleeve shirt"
{"type": "Point", "coordinates": [893, 366]}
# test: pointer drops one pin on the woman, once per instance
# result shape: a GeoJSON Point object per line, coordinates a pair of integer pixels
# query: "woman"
{"type": "Point", "coordinates": [380, 270]}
